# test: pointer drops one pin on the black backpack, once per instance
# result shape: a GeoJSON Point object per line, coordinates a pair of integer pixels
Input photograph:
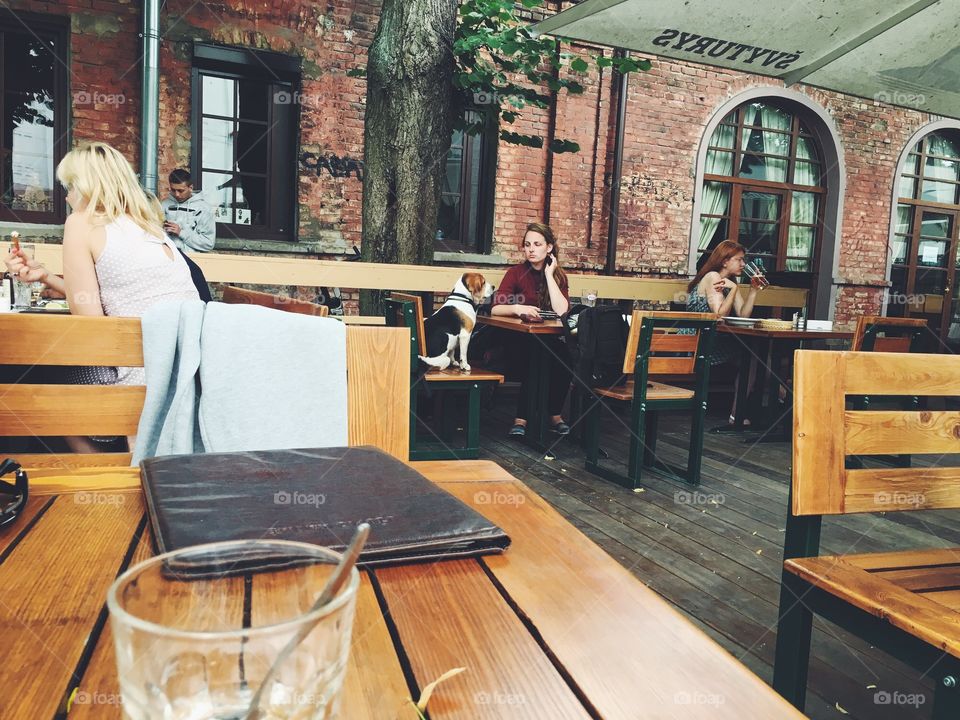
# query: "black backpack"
{"type": "Point", "coordinates": [597, 341]}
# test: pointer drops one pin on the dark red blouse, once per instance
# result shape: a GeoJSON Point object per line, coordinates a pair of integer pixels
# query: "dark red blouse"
{"type": "Point", "coordinates": [521, 286]}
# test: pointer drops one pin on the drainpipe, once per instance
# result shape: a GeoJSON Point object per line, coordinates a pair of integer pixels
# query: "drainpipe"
{"type": "Point", "coordinates": [624, 80]}
{"type": "Point", "coordinates": [150, 94]}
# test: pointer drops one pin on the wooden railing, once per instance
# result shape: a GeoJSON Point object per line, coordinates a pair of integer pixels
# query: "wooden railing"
{"type": "Point", "coordinates": [260, 270]}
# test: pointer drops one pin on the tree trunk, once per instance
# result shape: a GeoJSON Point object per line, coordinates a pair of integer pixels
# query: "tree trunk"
{"type": "Point", "coordinates": [408, 123]}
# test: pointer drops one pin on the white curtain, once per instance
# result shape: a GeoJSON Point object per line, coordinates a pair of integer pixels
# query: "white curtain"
{"type": "Point", "coordinates": [715, 201]}
{"type": "Point", "coordinates": [716, 196]}
{"type": "Point", "coordinates": [903, 226]}
{"type": "Point", "coordinates": [774, 143]}
{"type": "Point", "coordinates": [803, 209]}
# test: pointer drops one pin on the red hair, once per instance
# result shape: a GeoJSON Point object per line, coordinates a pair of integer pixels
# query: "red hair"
{"type": "Point", "coordinates": [721, 253]}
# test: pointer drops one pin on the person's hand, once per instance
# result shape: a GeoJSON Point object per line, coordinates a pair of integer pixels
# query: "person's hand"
{"type": "Point", "coordinates": [52, 294]}
{"type": "Point", "coordinates": [24, 268]}
{"type": "Point", "coordinates": [532, 310]}
{"type": "Point", "coordinates": [722, 283]}
{"type": "Point", "coordinates": [171, 227]}
{"type": "Point", "coordinates": [550, 266]}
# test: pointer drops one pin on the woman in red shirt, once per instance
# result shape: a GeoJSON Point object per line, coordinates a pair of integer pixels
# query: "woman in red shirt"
{"type": "Point", "coordinates": [535, 285]}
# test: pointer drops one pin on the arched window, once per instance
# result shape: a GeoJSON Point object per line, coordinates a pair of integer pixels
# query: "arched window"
{"type": "Point", "coordinates": [763, 186]}
{"type": "Point", "coordinates": [924, 248]}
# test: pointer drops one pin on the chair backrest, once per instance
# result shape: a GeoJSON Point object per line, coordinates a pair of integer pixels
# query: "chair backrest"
{"type": "Point", "coordinates": [241, 296]}
{"type": "Point", "coordinates": [886, 334]}
{"type": "Point", "coordinates": [378, 385]}
{"type": "Point", "coordinates": [654, 336]}
{"type": "Point", "coordinates": [826, 432]}
{"type": "Point", "coordinates": [406, 310]}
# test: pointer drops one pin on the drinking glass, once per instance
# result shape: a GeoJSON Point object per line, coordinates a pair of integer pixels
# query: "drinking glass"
{"type": "Point", "coordinates": [23, 291]}
{"type": "Point", "coordinates": [589, 298]}
{"type": "Point", "coordinates": [754, 271]}
{"type": "Point", "coordinates": [198, 630]}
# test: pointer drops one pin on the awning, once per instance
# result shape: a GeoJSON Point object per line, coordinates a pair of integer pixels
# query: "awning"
{"type": "Point", "coordinates": [900, 53]}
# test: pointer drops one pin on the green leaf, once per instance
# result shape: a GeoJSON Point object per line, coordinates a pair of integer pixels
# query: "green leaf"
{"type": "Point", "coordinates": [579, 65]}
{"type": "Point", "coordinates": [518, 139]}
{"type": "Point", "coordinates": [357, 72]}
{"type": "Point", "coordinates": [563, 146]}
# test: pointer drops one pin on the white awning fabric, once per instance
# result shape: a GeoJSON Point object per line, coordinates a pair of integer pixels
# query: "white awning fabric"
{"type": "Point", "coordinates": [895, 52]}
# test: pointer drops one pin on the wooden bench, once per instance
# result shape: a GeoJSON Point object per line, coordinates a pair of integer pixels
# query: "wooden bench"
{"type": "Point", "coordinates": [654, 347]}
{"type": "Point", "coordinates": [905, 603]}
{"type": "Point", "coordinates": [259, 270]}
{"type": "Point", "coordinates": [405, 310]}
{"type": "Point", "coordinates": [377, 378]}
{"type": "Point", "coordinates": [241, 296]}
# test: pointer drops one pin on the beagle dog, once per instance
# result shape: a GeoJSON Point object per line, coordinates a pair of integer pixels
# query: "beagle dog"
{"type": "Point", "coordinates": [450, 327]}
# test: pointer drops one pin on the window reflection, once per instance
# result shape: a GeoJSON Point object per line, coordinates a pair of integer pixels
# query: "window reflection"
{"type": "Point", "coordinates": [28, 146]}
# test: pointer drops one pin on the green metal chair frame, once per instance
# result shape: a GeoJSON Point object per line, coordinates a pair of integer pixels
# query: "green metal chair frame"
{"type": "Point", "coordinates": [644, 409]}
{"type": "Point", "coordinates": [402, 311]}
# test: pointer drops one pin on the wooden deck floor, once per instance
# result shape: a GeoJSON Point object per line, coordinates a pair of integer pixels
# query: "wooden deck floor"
{"type": "Point", "coordinates": [716, 554]}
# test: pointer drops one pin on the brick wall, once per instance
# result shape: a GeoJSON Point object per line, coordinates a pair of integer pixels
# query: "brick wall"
{"type": "Point", "coordinates": [104, 72]}
{"type": "Point", "coordinates": [667, 111]}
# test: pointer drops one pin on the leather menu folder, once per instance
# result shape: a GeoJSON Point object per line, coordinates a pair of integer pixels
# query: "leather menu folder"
{"type": "Point", "coordinates": [313, 495]}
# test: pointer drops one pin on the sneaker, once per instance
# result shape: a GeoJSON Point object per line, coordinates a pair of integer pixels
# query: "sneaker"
{"type": "Point", "coordinates": [561, 428]}
{"type": "Point", "coordinates": [518, 430]}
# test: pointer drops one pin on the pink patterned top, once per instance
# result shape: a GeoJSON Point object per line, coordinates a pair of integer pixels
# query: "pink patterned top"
{"type": "Point", "coordinates": [134, 274]}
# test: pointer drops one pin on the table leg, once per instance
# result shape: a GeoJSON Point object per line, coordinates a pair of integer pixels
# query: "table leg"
{"type": "Point", "coordinates": [538, 377]}
{"type": "Point", "coordinates": [743, 381]}
{"type": "Point", "coordinates": [778, 418]}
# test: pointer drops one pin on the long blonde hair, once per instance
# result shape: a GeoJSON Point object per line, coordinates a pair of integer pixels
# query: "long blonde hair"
{"type": "Point", "coordinates": [104, 179]}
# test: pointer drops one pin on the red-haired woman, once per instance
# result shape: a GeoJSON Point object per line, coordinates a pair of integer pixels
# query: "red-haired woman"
{"type": "Point", "coordinates": [537, 284]}
{"type": "Point", "coordinates": [714, 290]}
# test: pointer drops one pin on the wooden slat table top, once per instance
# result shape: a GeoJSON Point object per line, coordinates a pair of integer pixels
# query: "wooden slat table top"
{"type": "Point", "coordinates": [787, 334]}
{"type": "Point", "coordinates": [553, 628]}
{"type": "Point", "coordinates": [547, 327]}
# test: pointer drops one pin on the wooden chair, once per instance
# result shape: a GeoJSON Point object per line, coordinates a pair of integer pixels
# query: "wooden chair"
{"type": "Point", "coordinates": [887, 334]}
{"type": "Point", "coordinates": [654, 347]}
{"type": "Point", "coordinates": [405, 310]}
{"type": "Point", "coordinates": [905, 603]}
{"type": "Point", "coordinates": [240, 296]}
{"type": "Point", "coordinates": [875, 333]}
{"type": "Point", "coordinates": [378, 379]}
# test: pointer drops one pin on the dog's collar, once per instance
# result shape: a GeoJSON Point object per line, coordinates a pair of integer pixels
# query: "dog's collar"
{"type": "Point", "coordinates": [464, 298]}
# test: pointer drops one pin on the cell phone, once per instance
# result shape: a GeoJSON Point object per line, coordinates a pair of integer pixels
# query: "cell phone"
{"type": "Point", "coordinates": [549, 259]}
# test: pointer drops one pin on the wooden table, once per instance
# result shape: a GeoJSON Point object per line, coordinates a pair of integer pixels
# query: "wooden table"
{"type": "Point", "coordinates": [776, 345]}
{"type": "Point", "coordinates": [538, 375]}
{"type": "Point", "coordinates": [552, 629]}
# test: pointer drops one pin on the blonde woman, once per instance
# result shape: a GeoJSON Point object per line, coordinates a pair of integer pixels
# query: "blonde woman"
{"type": "Point", "coordinates": [116, 258]}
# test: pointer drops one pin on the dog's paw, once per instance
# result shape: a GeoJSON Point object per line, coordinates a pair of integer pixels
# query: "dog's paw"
{"type": "Point", "coordinates": [464, 368]}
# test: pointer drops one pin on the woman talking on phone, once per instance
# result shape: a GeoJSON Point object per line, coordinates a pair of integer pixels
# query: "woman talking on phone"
{"type": "Point", "coordinates": [536, 284]}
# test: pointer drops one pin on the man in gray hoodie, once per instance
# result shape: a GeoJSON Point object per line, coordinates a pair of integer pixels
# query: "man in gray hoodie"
{"type": "Point", "coordinates": [188, 219]}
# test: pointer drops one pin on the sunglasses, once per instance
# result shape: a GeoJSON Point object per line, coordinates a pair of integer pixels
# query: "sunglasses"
{"type": "Point", "coordinates": [10, 510]}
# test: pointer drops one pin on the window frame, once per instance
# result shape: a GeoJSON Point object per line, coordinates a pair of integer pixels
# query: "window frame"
{"type": "Point", "coordinates": [738, 185]}
{"type": "Point", "coordinates": [486, 182]}
{"type": "Point", "coordinates": [281, 73]}
{"type": "Point", "coordinates": [914, 236]}
{"type": "Point", "coordinates": [42, 26]}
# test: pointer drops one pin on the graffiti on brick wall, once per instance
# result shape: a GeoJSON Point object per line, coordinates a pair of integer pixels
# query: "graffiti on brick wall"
{"type": "Point", "coordinates": [338, 167]}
